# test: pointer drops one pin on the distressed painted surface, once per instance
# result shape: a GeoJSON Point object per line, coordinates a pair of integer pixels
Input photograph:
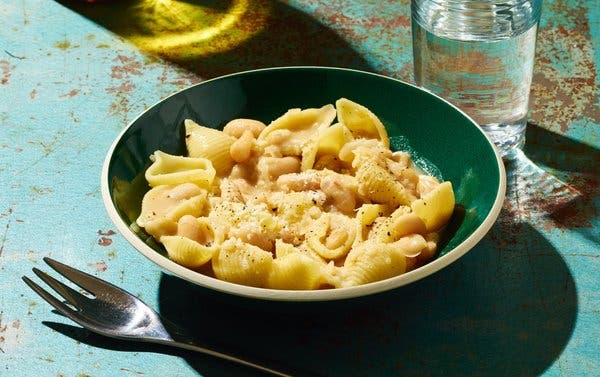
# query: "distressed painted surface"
{"type": "Point", "coordinates": [526, 301]}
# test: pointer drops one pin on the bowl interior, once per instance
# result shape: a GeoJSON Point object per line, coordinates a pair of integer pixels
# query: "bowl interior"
{"type": "Point", "coordinates": [443, 141]}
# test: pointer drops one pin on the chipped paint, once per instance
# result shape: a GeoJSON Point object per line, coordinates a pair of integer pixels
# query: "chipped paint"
{"type": "Point", "coordinates": [105, 239]}
{"type": "Point", "coordinates": [10, 334]}
{"type": "Point", "coordinates": [74, 117]}
{"type": "Point", "coordinates": [123, 72]}
{"type": "Point", "coordinates": [41, 190]}
{"type": "Point", "coordinates": [5, 70]}
{"type": "Point", "coordinates": [125, 67]}
{"type": "Point", "coordinates": [564, 85]}
{"type": "Point", "coordinates": [63, 45]}
{"type": "Point", "coordinates": [98, 266]}
{"type": "Point", "coordinates": [124, 87]}
{"type": "Point", "coordinates": [71, 93]}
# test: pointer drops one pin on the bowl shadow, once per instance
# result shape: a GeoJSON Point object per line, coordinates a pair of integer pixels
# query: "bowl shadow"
{"type": "Point", "coordinates": [506, 308]}
{"type": "Point", "coordinates": [515, 303]}
{"type": "Point", "coordinates": [223, 36]}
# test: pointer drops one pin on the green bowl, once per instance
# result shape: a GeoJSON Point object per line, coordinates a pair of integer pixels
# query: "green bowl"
{"type": "Point", "coordinates": [443, 141]}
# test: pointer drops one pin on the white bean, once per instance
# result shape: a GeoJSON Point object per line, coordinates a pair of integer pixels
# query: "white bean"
{"type": "Point", "coordinates": [428, 252]}
{"type": "Point", "coordinates": [237, 127]}
{"type": "Point", "coordinates": [280, 166]}
{"type": "Point", "coordinates": [277, 137]}
{"type": "Point", "coordinates": [299, 182]}
{"type": "Point", "coordinates": [189, 227]}
{"type": "Point", "coordinates": [411, 245]}
{"type": "Point", "coordinates": [184, 191]}
{"type": "Point", "coordinates": [406, 224]}
{"type": "Point", "coordinates": [341, 196]}
{"type": "Point", "coordinates": [241, 149]}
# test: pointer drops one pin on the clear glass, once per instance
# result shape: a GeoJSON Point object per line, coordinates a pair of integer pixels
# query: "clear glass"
{"type": "Point", "coordinates": [479, 55]}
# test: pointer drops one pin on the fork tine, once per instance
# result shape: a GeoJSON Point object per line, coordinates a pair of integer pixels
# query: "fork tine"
{"type": "Point", "coordinates": [57, 304]}
{"type": "Point", "coordinates": [72, 296]}
{"type": "Point", "coordinates": [86, 281]}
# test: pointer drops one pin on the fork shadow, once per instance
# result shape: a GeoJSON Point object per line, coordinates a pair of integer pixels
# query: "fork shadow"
{"type": "Point", "coordinates": [209, 365]}
{"type": "Point", "coordinates": [216, 37]}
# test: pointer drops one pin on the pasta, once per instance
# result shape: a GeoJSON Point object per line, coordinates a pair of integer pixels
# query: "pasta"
{"type": "Point", "coordinates": [302, 203]}
{"type": "Point", "coordinates": [211, 144]}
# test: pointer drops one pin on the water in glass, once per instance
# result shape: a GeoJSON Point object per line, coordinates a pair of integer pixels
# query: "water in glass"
{"type": "Point", "coordinates": [479, 55]}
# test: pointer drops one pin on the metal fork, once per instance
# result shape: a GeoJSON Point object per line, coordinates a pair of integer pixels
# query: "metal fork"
{"type": "Point", "coordinates": [116, 313]}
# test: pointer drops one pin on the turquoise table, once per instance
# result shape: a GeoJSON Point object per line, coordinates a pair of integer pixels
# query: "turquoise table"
{"type": "Point", "coordinates": [524, 302]}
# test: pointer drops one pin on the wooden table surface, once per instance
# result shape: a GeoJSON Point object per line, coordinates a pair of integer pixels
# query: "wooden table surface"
{"type": "Point", "coordinates": [524, 302]}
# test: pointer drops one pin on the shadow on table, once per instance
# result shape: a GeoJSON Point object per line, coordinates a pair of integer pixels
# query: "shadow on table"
{"type": "Point", "coordinates": [506, 308]}
{"type": "Point", "coordinates": [216, 37]}
{"type": "Point", "coordinates": [555, 181]}
{"type": "Point", "coordinates": [499, 311]}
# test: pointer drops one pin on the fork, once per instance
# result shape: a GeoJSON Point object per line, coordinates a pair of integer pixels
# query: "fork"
{"type": "Point", "coordinates": [115, 313]}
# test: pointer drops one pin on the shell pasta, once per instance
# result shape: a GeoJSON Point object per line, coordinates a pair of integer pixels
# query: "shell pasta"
{"type": "Point", "coordinates": [305, 202]}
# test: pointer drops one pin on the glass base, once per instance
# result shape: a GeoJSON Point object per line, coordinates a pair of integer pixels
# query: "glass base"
{"type": "Point", "coordinates": [506, 136]}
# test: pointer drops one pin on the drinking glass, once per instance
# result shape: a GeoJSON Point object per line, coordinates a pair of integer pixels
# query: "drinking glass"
{"type": "Point", "coordinates": [479, 55]}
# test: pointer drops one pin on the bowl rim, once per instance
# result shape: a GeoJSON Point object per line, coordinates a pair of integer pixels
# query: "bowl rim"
{"type": "Point", "coordinates": [209, 282]}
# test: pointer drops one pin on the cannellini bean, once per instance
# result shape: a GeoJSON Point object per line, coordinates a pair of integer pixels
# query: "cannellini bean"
{"type": "Point", "coordinates": [247, 171]}
{"type": "Point", "coordinates": [272, 151]}
{"type": "Point", "coordinates": [189, 227]}
{"type": "Point", "coordinates": [241, 149]}
{"type": "Point", "coordinates": [299, 181]}
{"type": "Point", "coordinates": [237, 127]}
{"type": "Point", "coordinates": [342, 196]}
{"type": "Point", "coordinates": [185, 191]}
{"type": "Point", "coordinates": [277, 167]}
{"type": "Point", "coordinates": [429, 251]}
{"type": "Point", "coordinates": [411, 245]}
{"type": "Point", "coordinates": [406, 224]}
{"type": "Point", "coordinates": [277, 136]}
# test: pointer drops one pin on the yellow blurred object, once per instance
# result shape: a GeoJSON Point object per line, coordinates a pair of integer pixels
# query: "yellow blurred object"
{"type": "Point", "coordinates": [180, 29]}
{"type": "Point", "coordinates": [174, 24]}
